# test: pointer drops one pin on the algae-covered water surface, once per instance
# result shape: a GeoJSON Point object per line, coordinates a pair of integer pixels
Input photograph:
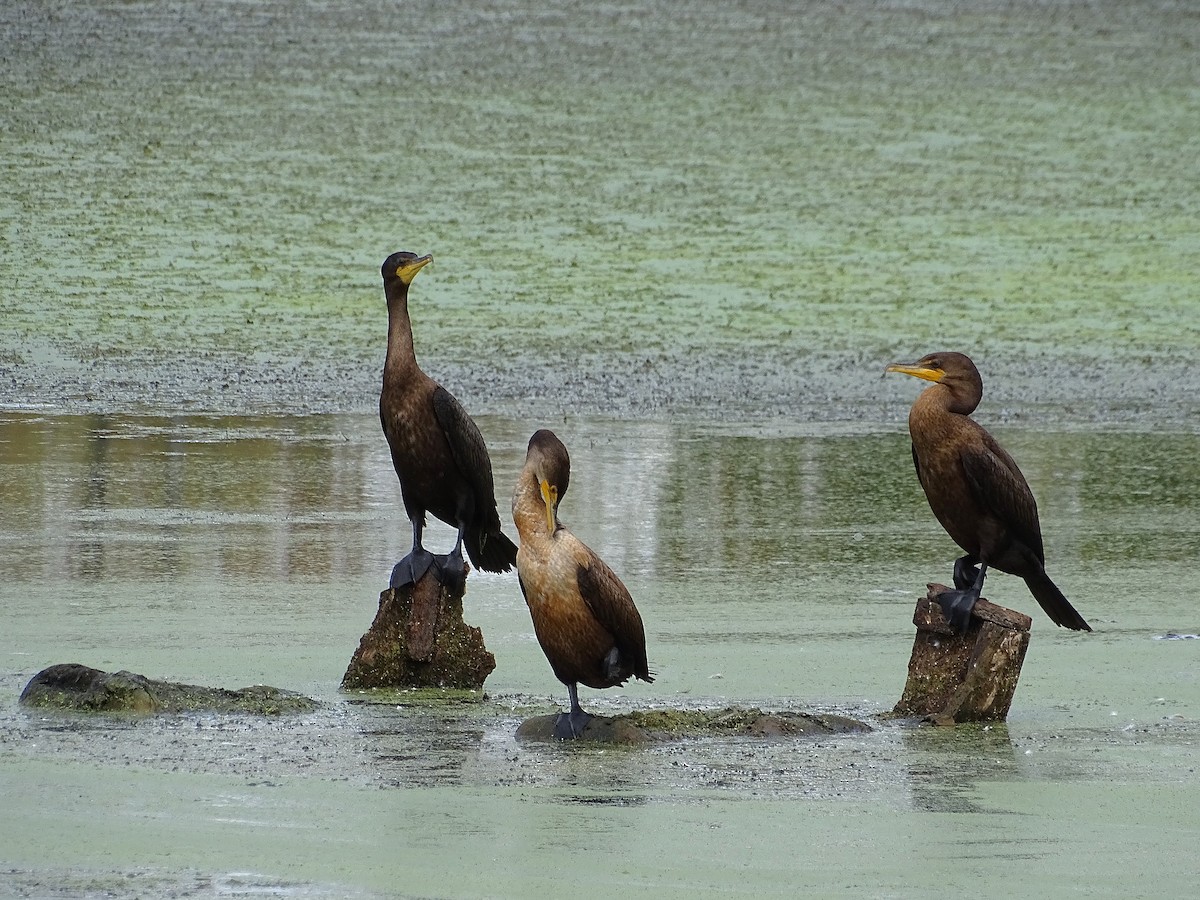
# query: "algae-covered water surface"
{"type": "Point", "coordinates": [776, 570]}
{"type": "Point", "coordinates": [687, 237]}
{"type": "Point", "coordinates": [633, 207]}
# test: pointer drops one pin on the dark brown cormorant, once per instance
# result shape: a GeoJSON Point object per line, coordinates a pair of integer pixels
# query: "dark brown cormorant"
{"type": "Point", "coordinates": [438, 452]}
{"type": "Point", "coordinates": [582, 614]}
{"type": "Point", "coordinates": [976, 491]}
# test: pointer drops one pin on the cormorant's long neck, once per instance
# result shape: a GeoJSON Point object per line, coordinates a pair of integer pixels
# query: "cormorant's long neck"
{"type": "Point", "coordinates": [955, 399]}
{"type": "Point", "coordinates": [400, 353]}
{"type": "Point", "coordinates": [526, 499]}
{"type": "Point", "coordinates": [528, 508]}
{"type": "Point", "coordinates": [936, 410]}
{"type": "Point", "coordinates": [965, 395]}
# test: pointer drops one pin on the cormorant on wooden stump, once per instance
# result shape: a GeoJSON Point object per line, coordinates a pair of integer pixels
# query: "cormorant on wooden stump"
{"type": "Point", "coordinates": [437, 450]}
{"type": "Point", "coordinates": [976, 491]}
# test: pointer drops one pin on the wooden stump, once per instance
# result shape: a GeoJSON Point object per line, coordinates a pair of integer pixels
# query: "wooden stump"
{"type": "Point", "coordinates": [964, 678]}
{"type": "Point", "coordinates": [419, 640]}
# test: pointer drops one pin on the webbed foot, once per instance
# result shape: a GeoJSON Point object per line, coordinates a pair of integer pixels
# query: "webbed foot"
{"type": "Point", "coordinates": [966, 573]}
{"type": "Point", "coordinates": [956, 607]}
{"type": "Point", "coordinates": [411, 569]}
{"type": "Point", "coordinates": [570, 725]}
{"type": "Point", "coordinates": [453, 571]}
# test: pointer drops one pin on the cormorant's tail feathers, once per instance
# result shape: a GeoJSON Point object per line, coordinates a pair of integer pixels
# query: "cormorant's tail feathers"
{"type": "Point", "coordinates": [1057, 607]}
{"type": "Point", "coordinates": [492, 552]}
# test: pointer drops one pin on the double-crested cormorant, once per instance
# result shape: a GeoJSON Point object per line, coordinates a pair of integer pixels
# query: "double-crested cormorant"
{"type": "Point", "coordinates": [582, 614]}
{"type": "Point", "coordinates": [438, 452]}
{"type": "Point", "coordinates": [976, 491]}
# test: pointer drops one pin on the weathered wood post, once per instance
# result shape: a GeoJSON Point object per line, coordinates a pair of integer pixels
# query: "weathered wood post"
{"type": "Point", "coordinates": [964, 678]}
{"type": "Point", "coordinates": [419, 640]}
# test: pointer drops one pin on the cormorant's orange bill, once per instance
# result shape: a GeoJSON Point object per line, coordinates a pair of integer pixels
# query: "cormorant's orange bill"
{"type": "Point", "coordinates": [550, 496]}
{"type": "Point", "coordinates": [409, 270]}
{"type": "Point", "coordinates": [917, 371]}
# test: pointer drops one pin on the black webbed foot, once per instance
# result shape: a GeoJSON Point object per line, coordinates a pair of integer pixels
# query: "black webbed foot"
{"type": "Point", "coordinates": [453, 570]}
{"type": "Point", "coordinates": [570, 725]}
{"type": "Point", "coordinates": [411, 569]}
{"type": "Point", "coordinates": [956, 607]}
{"type": "Point", "coordinates": [966, 573]}
{"type": "Point", "coordinates": [957, 604]}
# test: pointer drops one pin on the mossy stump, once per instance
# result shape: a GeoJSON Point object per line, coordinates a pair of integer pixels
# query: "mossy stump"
{"type": "Point", "coordinates": [419, 640]}
{"type": "Point", "coordinates": [972, 677]}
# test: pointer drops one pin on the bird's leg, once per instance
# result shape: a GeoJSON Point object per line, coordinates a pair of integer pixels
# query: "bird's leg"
{"type": "Point", "coordinates": [413, 567]}
{"type": "Point", "coordinates": [570, 725]}
{"type": "Point", "coordinates": [957, 604]}
{"type": "Point", "coordinates": [965, 571]}
{"type": "Point", "coordinates": [451, 568]}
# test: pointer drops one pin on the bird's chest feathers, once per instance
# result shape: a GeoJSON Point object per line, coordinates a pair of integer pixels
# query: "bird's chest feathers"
{"type": "Point", "coordinates": [937, 440]}
{"type": "Point", "coordinates": [412, 435]}
{"type": "Point", "coordinates": [937, 458]}
{"type": "Point", "coordinates": [548, 569]}
{"type": "Point", "coordinates": [412, 429]}
{"type": "Point", "coordinates": [544, 567]}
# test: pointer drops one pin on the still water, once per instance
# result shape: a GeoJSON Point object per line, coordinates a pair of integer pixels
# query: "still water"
{"type": "Point", "coordinates": [774, 566]}
{"type": "Point", "coordinates": [646, 211]}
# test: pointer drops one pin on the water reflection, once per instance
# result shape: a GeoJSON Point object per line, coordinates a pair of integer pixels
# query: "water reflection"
{"type": "Point", "coordinates": [945, 765]}
{"type": "Point", "coordinates": [800, 503]}
{"type": "Point", "coordinates": [95, 497]}
{"type": "Point", "coordinates": [90, 498]}
{"type": "Point", "coordinates": [105, 497]}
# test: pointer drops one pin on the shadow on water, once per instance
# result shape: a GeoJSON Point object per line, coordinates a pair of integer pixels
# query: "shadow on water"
{"type": "Point", "coordinates": [947, 764]}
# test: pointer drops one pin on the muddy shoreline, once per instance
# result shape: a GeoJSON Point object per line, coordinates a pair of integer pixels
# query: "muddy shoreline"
{"type": "Point", "coordinates": [801, 389]}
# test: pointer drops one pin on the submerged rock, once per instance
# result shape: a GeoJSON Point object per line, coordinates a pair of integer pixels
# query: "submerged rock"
{"type": "Point", "coordinates": [657, 726]}
{"type": "Point", "coordinates": [70, 686]}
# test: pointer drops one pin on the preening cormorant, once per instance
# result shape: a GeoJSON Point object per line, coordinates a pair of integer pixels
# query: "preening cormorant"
{"type": "Point", "coordinates": [438, 452]}
{"type": "Point", "coordinates": [976, 491]}
{"type": "Point", "coordinates": [583, 616]}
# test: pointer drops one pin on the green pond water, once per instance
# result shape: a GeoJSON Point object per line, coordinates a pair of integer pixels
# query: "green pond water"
{"type": "Point", "coordinates": [688, 237]}
{"type": "Point", "coordinates": [774, 570]}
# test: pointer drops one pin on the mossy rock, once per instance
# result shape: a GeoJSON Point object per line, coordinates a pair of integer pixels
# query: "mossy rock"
{"type": "Point", "coordinates": [663, 725]}
{"type": "Point", "coordinates": [71, 686]}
